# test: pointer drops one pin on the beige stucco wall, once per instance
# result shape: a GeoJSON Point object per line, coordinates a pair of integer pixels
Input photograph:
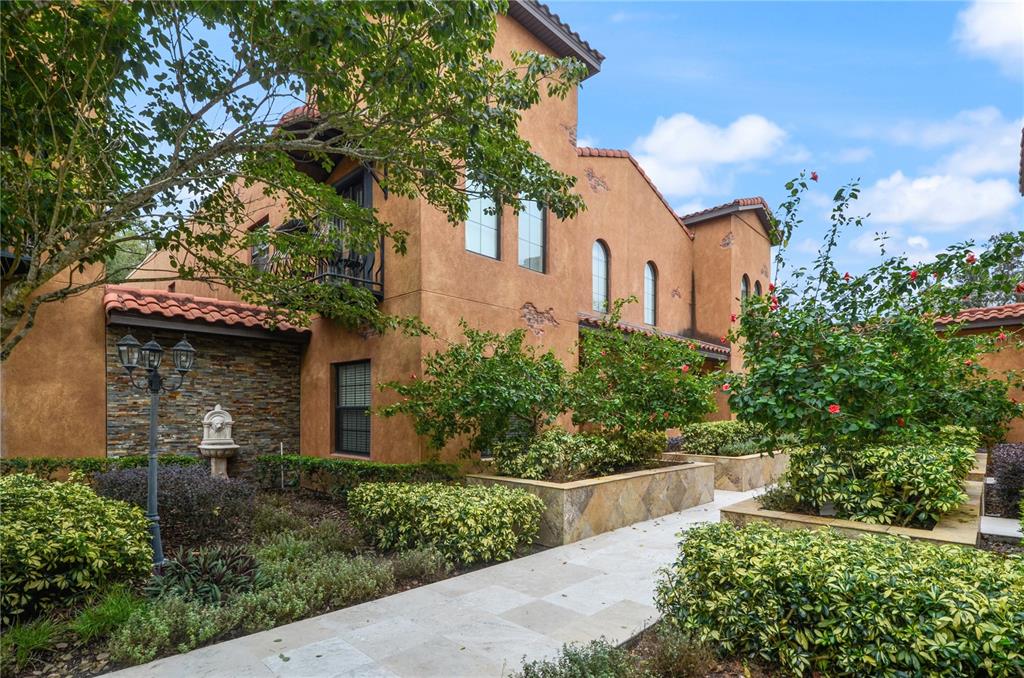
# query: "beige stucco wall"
{"type": "Point", "coordinates": [52, 384]}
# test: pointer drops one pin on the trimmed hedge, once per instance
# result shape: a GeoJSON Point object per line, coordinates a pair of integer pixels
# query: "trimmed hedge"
{"type": "Point", "coordinates": [815, 601]}
{"type": "Point", "coordinates": [340, 476]}
{"type": "Point", "coordinates": [46, 467]}
{"type": "Point", "coordinates": [468, 524]}
{"type": "Point", "coordinates": [910, 481]}
{"type": "Point", "coordinates": [558, 456]}
{"type": "Point", "coordinates": [709, 437]}
{"type": "Point", "coordinates": [59, 540]}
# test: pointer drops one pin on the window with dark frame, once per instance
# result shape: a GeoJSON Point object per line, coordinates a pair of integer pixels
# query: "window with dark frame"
{"type": "Point", "coordinates": [483, 227]}
{"type": "Point", "coordinates": [352, 408]}
{"type": "Point", "coordinates": [757, 287]}
{"type": "Point", "coordinates": [259, 253]}
{"type": "Point", "coordinates": [744, 287]}
{"type": "Point", "coordinates": [533, 236]}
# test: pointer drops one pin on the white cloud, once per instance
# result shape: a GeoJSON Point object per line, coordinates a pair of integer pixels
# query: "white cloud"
{"type": "Point", "coordinates": [895, 242]}
{"type": "Point", "coordinates": [940, 202]}
{"type": "Point", "coordinates": [586, 142]}
{"type": "Point", "coordinates": [994, 30]}
{"type": "Point", "coordinates": [918, 241]}
{"type": "Point", "coordinates": [808, 246]}
{"type": "Point", "coordinates": [979, 141]}
{"type": "Point", "coordinates": [682, 153]}
{"type": "Point", "coordinates": [691, 207]}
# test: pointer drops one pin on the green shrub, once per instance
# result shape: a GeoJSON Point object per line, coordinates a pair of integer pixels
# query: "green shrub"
{"type": "Point", "coordinates": [328, 537]}
{"type": "Point", "coordinates": [47, 467]}
{"type": "Point", "coordinates": [913, 481]}
{"type": "Point", "coordinates": [709, 437]}
{"type": "Point", "coordinates": [20, 641]}
{"type": "Point", "coordinates": [195, 507]}
{"type": "Point", "coordinates": [559, 456]}
{"type": "Point", "coordinates": [106, 614]}
{"type": "Point", "coordinates": [210, 574]}
{"type": "Point", "coordinates": [339, 476]}
{"type": "Point", "coordinates": [58, 540]}
{"type": "Point", "coordinates": [468, 524]}
{"type": "Point", "coordinates": [596, 659]}
{"type": "Point", "coordinates": [423, 564]}
{"type": "Point", "coordinates": [815, 601]}
{"type": "Point", "coordinates": [674, 653]}
{"type": "Point", "coordinates": [270, 520]}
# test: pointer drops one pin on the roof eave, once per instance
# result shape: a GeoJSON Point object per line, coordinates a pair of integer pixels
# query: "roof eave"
{"type": "Point", "coordinates": [726, 210]}
{"type": "Point", "coordinates": [555, 34]}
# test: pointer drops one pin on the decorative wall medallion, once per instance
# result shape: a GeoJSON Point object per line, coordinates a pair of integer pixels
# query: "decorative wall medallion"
{"type": "Point", "coordinates": [571, 131]}
{"type": "Point", "coordinates": [676, 294]}
{"type": "Point", "coordinates": [727, 241]}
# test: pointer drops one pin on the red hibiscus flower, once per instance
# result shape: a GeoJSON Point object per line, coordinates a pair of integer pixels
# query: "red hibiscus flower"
{"type": "Point", "coordinates": [726, 387]}
{"type": "Point", "coordinates": [1019, 289]}
{"type": "Point", "coordinates": [900, 422]}
{"type": "Point", "coordinates": [847, 276]}
{"type": "Point", "coordinates": [685, 368]}
{"type": "Point", "coordinates": [833, 409]}
{"type": "Point", "coordinates": [913, 274]}
{"type": "Point", "coordinates": [722, 339]}
{"type": "Point", "coordinates": [1002, 336]}
{"type": "Point", "coordinates": [814, 176]}
{"type": "Point", "coordinates": [771, 287]}
{"type": "Point", "coordinates": [664, 415]}
{"type": "Point", "coordinates": [604, 353]}
{"type": "Point", "coordinates": [971, 258]}
{"type": "Point", "coordinates": [968, 362]}
{"type": "Point", "coordinates": [732, 318]}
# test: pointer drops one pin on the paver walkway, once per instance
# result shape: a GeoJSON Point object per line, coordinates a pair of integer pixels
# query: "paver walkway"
{"type": "Point", "coordinates": [480, 624]}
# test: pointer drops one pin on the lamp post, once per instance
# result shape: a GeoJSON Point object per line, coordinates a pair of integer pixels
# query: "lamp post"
{"type": "Point", "coordinates": [134, 355]}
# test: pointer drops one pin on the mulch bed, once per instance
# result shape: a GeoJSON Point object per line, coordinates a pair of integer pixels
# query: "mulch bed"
{"type": "Point", "coordinates": [1004, 453]}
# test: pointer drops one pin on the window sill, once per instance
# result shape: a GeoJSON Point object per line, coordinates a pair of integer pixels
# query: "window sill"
{"type": "Point", "coordinates": [351, 455]}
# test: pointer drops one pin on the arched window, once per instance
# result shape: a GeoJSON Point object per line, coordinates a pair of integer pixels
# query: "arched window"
{"type": "Point", "coordinates": [757, 288]}
{"type": "Point", "coordinates": [650, 294]}
{"type": "Point", "coordinates": [599, 276]}
{"type": "Point", "coordinates": [744, 287]}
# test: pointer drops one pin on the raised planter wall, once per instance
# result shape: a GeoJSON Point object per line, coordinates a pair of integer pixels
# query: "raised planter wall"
{"type": "Point", "coordinates": [739, 474]}
{"type": "Point", "coordinates": [957, 527]}
{"type": "Point", "coordinates": [583, 508]}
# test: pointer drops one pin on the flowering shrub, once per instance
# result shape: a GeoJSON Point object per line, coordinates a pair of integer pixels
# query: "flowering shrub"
{"type": "Point", "coordinates": [560, 456]}
{"type": "Point", "coordinates": [816, 602]}
{"type": "Point", "coordinates": [195, 507]}
{"type": "Point", "coordinates": [482, 389]}
{"type": "Point", "coordinates": [58, 540]}
{"type": "Point", "coordinates": [633, 381]}
{"type": "Point", "coordinates": [909, 481]}
{"type": "Point", "coordinates": [467, 523]}
{"type": "Point", "coordinates": [847, 359]}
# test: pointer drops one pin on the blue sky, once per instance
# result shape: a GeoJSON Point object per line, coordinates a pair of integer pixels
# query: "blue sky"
{"type": "Point", "coordinates": [922, 101]}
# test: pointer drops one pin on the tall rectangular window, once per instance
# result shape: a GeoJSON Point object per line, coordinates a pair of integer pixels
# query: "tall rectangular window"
{"type": "Point", "coordinates": [352, 408]}
{"type": "Point", "coordinates": [482, 224]}
{"type": "Point", "coordinates": [532, 236]}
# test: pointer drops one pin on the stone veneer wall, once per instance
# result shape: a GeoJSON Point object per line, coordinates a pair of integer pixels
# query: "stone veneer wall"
{"type": "Point", "coordinates": [256, 380]}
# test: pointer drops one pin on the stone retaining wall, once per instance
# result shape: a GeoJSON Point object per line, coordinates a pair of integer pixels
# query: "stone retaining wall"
{"type": "Point", "coordinates": [739, 474]}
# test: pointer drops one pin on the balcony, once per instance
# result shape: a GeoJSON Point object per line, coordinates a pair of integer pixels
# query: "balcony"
{"type": "Point", "coordinates": [346, 264]}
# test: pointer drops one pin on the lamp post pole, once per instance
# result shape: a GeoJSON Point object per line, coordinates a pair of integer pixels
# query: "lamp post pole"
{"type": "Point", "coordinates": [151, 509]}
{"type": "Point", "coordinates": [132, 355]}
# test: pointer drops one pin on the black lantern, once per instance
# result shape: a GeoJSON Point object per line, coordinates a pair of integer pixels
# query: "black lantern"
{"type": "Point", "coordinates": [183, 354]}
{"type": "Point", "coordinates": [128, 352]}
{"type": "Point", "coordinates": [152, 352]}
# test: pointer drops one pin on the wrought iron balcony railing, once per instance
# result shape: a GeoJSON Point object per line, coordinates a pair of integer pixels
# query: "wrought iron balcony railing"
{"type": "Point", "coordinates": [360, 269]}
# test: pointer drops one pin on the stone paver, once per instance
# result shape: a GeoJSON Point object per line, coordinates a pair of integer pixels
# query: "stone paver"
{"type": "Point", "coordinates": [1001, 527]}
{"type": "Point", "coordinates": [480, 624]}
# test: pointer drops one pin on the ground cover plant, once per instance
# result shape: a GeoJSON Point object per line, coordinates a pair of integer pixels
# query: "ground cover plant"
{"type": "Point", "coordinates": [467, 523]}
{"type": "Point", "coordinates": [816, 601]}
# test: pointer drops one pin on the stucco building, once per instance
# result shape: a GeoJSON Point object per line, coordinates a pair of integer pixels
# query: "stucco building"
{"type": "Point", "coordinates": [307, 389]}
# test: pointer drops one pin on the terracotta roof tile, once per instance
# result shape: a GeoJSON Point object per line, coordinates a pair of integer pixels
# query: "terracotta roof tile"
{"type": "Point", "coordinates": [757, 203]}
{"type": "Point", "coordinates": [179, 306]}
{"type": "Point", "coordinates": [568, 29]}
{"type": "Point", "coordinates": [586, 152]}
{"type": "Point", "coordinates": [1010, 314]}
{"type": "Point", "coordinates": [590, 320]}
